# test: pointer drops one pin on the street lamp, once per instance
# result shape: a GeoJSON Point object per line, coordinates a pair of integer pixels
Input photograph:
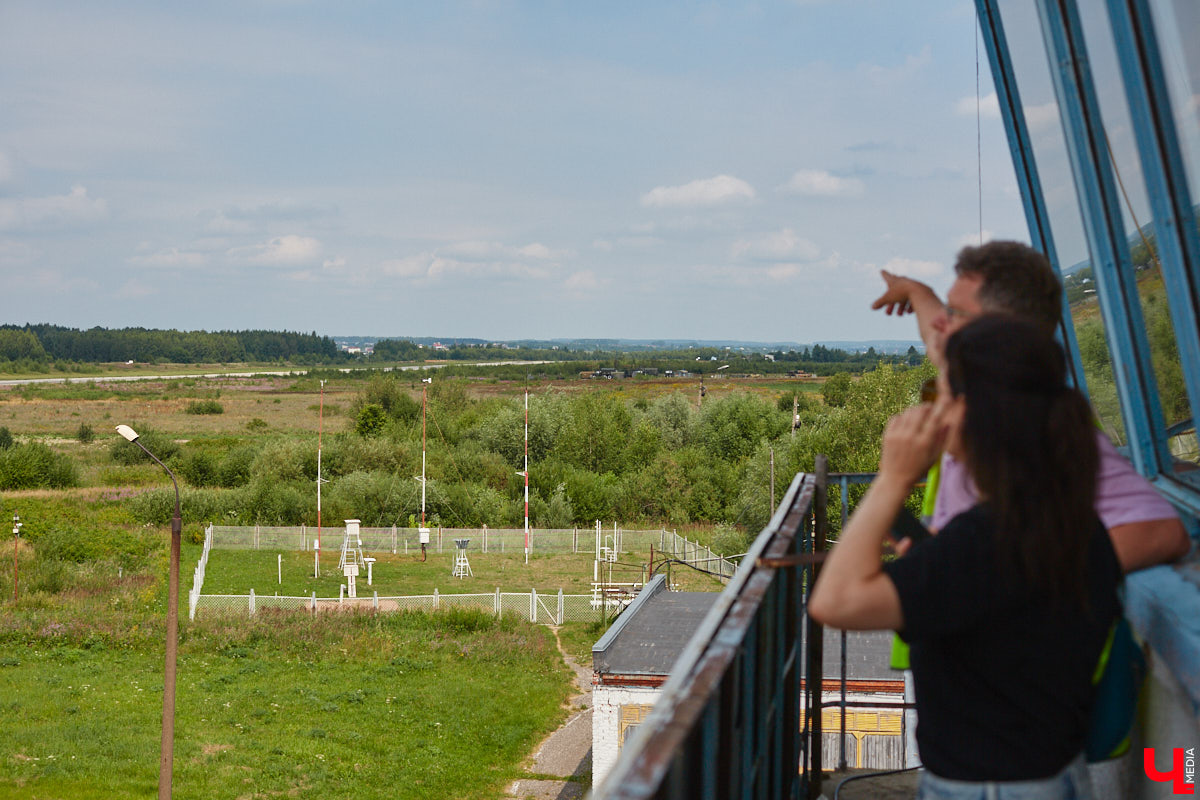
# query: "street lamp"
{"type": "Point", "coordinates": [167, 753]}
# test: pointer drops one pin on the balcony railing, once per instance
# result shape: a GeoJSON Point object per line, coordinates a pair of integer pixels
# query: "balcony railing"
{"type": "Point", "coordinates": [731, 721]}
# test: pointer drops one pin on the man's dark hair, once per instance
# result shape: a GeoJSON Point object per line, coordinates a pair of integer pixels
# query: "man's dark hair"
{"type": "Point", "coordinates": [1016, 279]}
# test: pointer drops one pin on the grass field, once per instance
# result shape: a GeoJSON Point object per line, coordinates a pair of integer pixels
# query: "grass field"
{"type": "Point", "coordinates": [284, 706]}
{"type": "Point", "coordinates": [398, 705]}
{"type": "Point", "coordinates": [238, 571]}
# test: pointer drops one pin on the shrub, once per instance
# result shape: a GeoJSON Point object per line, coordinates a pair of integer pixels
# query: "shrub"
{"type": "Point", "coordinates": [257, 424]}
{"type": "Point", "coordinates": [103, 543]}
{"type": "Point", "coordinates": [200, 468]}
{"type": "Point", "coordinates": [235, 467]}
{"type": "Point", "coordinates": [86, 433]}
{"type": "Point", "coordinates": [729, 541]}
{"type": "Point", "coordinates": [204, 407]}
{"type": "Point", "coordinates": [6, 438]}
{"type": "Point", "coordinates": [33, 465]}
{"type": "Point", "coordinates": [370, 421]}
{"type": "Point", "coordinates": [128, 453]}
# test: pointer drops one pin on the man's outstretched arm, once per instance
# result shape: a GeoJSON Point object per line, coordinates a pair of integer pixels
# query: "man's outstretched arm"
{"type": "Point", "coordinates": [908, 296]}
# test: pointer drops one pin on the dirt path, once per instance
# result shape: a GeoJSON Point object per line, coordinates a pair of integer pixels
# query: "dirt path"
{"type": "Point", "coordinates": [566, 753]}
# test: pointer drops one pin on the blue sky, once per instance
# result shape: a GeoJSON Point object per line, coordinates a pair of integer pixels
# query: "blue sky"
{"type": "Point", "coordinates": [491, 169]}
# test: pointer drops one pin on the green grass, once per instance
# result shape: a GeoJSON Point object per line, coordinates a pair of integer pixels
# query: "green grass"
{"type": "Point", "coordinates": [398, 706]}
{"type": "Point", "coordinates": [239, 571]}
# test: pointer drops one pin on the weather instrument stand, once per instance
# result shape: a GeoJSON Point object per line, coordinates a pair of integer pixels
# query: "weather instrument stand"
{"type": "Point", "coordinates": [462, 567]}
{"type": "Point", "coordinates": [351, 547]}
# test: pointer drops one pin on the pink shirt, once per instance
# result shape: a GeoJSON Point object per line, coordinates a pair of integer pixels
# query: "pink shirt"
{"type": "Point", "coordinates": [1122, 495]}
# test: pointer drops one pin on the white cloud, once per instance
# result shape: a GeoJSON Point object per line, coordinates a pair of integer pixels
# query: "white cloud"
{"type": "Point", "coordinates": [53, 280]}
{"type": "Point", "coordinates": [13, 252]}
{"type": "Point", "coordinates": [281, 251]}
{"type": "Point", "coordinates": [54, 211]}
{"type": "Point", "coordinates": [913, 64]}
{"type": "Point", "coordinates": [219, 223]}
{"type": "Point", "coordinates": [782, 245]}
{"type": "Point", "coordinates": [582, 281]}
{"type": "Point", "coordinates": [436, 265]}
{"type": "Point", "coordinates": [497, 251]}
{"type": "Point", "coordinates": [988, 106]}
{"type": "Point", "coordinates": [536, 250]}
{"type": "Point", "coordinates": [134, 290]}
{"type": "Point", "coordinates": [705, 192]}
{"type": "Point", "coordinates": [914, 268]}
{"type": "Point", "coordinates": [1038, 117]}
{"type": "Point", "coordinates": [819, 183]}
{"type": "Point", "coordinates": [170, 257]}
{"type": "Point", "coordinates": [603, 245]}
{"type": "Point", "coordinates": [639, 242]}
{"type": "Point", "coordinates": [974, 239]}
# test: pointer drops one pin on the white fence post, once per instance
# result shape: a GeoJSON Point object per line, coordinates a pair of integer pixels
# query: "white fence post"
{"type": "Point", "coordinates": [560, 606]}
{"type": "Point", "coordinates": [375, 601]}
{"type": "Point", "coordinates": [533, 605]}
{"type": "Point", "coordinates": [435, 598]}
{"type": "Point", "coordinates": [497, 605]}
{"type": "Point", "coordinates": [314, 603]}
{"type": "Point", "coordinates": [252, 602]}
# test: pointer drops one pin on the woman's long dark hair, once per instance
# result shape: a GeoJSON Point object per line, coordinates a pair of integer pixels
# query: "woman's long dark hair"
{"type": "Point", "coordinates": [1030, 446]}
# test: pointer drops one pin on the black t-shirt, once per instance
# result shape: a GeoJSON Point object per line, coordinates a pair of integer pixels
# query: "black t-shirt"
{"type": "Point", "coordinates": [1002, 677]}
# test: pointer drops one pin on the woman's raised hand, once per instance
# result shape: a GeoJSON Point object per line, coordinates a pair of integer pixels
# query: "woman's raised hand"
{"type": "Point", "coordinates": [912, 441]}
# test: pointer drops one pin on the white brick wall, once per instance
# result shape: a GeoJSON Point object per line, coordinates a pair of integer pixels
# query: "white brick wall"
{"type": "Point", "coordinates": [606, 718]}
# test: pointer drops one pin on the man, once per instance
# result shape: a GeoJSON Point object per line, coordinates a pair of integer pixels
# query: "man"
{"type": "Point", "coordinates": [1013, 278]}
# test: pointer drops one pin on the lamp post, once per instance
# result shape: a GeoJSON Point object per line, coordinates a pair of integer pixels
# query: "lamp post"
{"type": "Point", "coordinates": [167, 751]}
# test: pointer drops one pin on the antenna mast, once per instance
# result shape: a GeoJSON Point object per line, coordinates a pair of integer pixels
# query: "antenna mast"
{"type": "Point", "coordinates": [526, 474]}
{"type": "Point", "coordinates": [320, 429]}
{"type": "Point", "coordinates": [423, 532]}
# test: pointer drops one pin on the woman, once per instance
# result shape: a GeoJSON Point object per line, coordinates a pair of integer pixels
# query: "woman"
{"type": "Point", "coordinates": [1007, 608]}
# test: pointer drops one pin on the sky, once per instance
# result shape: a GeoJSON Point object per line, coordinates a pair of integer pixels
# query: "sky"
{"type": "Point", "coordinates": [499, 170]}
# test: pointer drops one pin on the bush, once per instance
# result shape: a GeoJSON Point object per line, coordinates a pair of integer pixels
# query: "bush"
{"type": "Point", "coordinates": [728, 541]}
{"type": "Point", "coordinates": [257, 424]}
{"type": "Point", "coordinates": [33, 465]}
{"type": "Point", "coordinates": [200, 468]}
{"type": "Point", "coordinates": [204, 407]}
{"type": "Point", "coordinates": [371, 420]}
{"type": "Point", "coordinates": [128, 453]}
{"type": "Point", "coordinates": [6, 438]}
{"type": "Point", "coordinates": [235, 467]}
{"type": "Point", "coordinates": [86, 433]}
{"type": "Point", "coordinates": [104, 543]}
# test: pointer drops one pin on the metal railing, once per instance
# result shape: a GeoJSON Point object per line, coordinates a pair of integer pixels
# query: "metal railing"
{"type": "Point", "coordinates": [731, 721]}
{"type": "Point", "coordinates": [740, 716]}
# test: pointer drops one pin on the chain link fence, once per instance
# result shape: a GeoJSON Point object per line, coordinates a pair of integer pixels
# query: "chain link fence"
{"type": "Point", "coordinates": [604, 542]}
{"type": "Point", "coordinates": [547, 608]}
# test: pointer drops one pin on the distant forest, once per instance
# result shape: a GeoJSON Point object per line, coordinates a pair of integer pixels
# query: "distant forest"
{"type": "Point", "coordinates": [53, 343]}
{"type": "Point", "coordinates": [44, 348]}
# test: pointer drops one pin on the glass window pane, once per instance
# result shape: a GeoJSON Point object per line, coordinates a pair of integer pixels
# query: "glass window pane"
{"type": "Point", "coordinates": [1023, 31]}
{"type": "Point", "coordinates": [1136, 214]}
{"type": "Point", "coordinates": [1175, 25]}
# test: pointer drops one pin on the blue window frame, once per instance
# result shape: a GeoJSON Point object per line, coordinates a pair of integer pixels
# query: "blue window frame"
{"type": "Point", "coordinates": [1127, 149]}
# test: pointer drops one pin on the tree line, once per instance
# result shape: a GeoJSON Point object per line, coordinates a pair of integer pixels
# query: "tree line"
{"type": "Point", "coordinates": [44, 342]}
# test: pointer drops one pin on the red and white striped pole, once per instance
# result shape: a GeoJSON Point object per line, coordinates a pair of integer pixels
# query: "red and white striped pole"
{"type": "Point", "coordinates": [526, 476]}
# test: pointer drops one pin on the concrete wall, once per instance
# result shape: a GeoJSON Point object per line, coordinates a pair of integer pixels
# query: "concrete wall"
{"type": "Point", "coordinates": [607, 702]}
